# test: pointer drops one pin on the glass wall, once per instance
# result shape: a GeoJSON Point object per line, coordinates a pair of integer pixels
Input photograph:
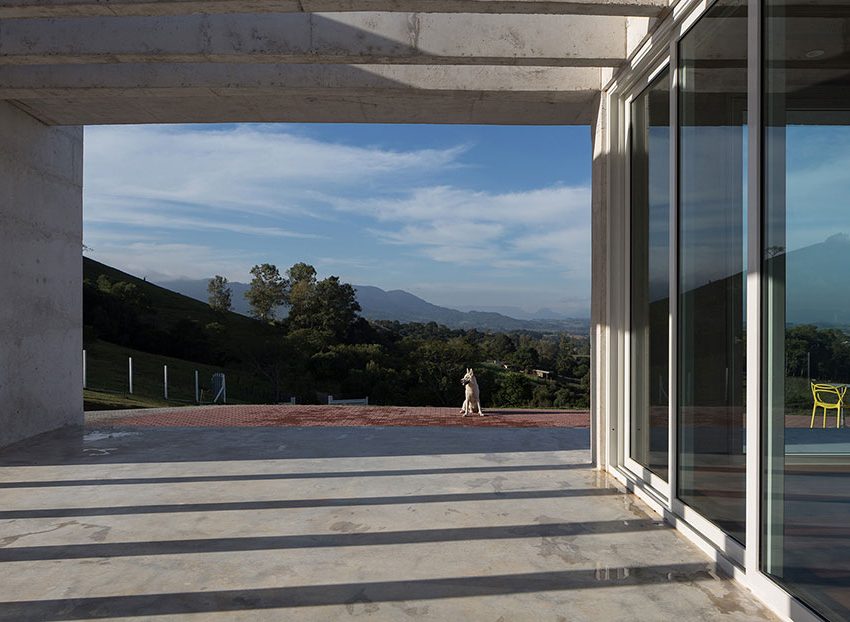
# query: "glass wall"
{"type": "Point", "coordinates": [806, 284]}
{"type": "Point", "coordinates": [712, 252]}
{"type": "Point", "coordinates": [650, 275]}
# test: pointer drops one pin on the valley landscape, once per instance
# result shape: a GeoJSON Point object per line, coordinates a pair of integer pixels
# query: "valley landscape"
{"type": "Point", "coordinates": [393, 347]}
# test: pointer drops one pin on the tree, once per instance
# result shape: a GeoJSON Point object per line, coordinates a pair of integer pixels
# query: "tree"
{"type": "Point", "coordinates": [302, 278]}
{"type": "Point", "coordinates": [327, 305]}
{"type": "Point", "coordinates": [525, 357]}
{"type": "Point", "coordinates": [267, 292]}
{"type": "Point", "coordinates": [514, 390]}
{"type": "Point", "coordinates": [500, 346]}
{"type": "Point", "coordinates": [220, 295]}
{"type": "Point", "coordinates": [542, 397]}
{"type": "Point", "coordinates": [301, 273]}
{"type": "Point", "coordinates": [439, 365]}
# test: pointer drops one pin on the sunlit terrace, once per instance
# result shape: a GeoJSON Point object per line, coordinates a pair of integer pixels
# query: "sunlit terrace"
{"type": "Point", "coordinates": [133, 521]}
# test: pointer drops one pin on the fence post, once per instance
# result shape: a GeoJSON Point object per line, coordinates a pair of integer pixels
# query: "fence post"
{"type": "Point", "coordinates": [809, 367]}
{"type": "Point", "coordinates": [84, 370]}
{"type": "Point", "coordinates": [165, 381]}
{"type": "Point", "coordinates": [130, 370]}
{"type": "Point", "coordinates": [197, 390]}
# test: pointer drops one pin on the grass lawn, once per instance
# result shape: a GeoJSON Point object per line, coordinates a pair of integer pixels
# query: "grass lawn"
{"type": "Point", "coordinates": [102, 400]}
{"type": "Point", "coordinates": [107, 379]}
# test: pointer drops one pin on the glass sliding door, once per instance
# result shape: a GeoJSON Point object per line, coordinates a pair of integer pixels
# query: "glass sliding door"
{"type": "Point", "coordinates": [806, 302]}
{"type": "Point", "coordinates": [650, 275]}
{"type": "Point", "coordinates": [712, 252]}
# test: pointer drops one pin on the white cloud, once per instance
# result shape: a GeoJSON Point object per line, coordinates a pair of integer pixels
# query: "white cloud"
{"type": "Point", "coordinates": [149, 214]}
{"type": "Point", "coordinates": [567, 246]}
{"type": "Point", "coordinates": [247, 169]}
{"type": "Point", "coordinates": [446, 205]}
{"type": "Point", "coordinates": [517, 230]}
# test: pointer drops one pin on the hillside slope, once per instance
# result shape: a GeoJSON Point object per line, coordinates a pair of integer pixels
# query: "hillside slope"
{"type": "Point", "coordinates": [171, 307]}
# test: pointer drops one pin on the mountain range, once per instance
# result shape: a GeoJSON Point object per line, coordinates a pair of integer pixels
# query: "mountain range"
{"type": "Point", "coordinates": [818, 283]}
{"type": "Point", "coordinates": [379, 304]}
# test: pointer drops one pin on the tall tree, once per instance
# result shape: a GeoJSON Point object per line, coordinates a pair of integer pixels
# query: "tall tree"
{"type": "Point", "coordinates": [267, 292]}
{"type": "Point", "coordinates": [301, 273]}
{"type": "Point", "coordinates": [220, 295]}
{"type": "Point", "coordinates": [302, 278]}
{"type": "Point", "coordinates": [326, 305]}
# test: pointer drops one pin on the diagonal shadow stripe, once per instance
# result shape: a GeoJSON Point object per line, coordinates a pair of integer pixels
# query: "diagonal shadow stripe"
{"type": "Point", "coordinates": [269, 543]}
{"type": "Point", "coordinates": [186, 603]}
{"type": "Point", "coordinates": [305, 503]}
{"type": "Point", "coordinates": [287, 476]}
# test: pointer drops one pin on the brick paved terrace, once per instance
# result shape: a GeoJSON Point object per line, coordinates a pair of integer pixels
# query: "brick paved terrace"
{"type": "Point", "coordinates": [292, 415]}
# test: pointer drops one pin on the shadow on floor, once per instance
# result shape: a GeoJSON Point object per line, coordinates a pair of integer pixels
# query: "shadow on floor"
{"type": "Point", "coordinates": [349, 593]}
{"type": "Point", "coordinates": [116, 445]}
{"type": "Point", "coordinates": [288, 504]}
{"type": "Point", "coordinates": [267, 543]}
{"type": "Point", "coordinates": [259, 477]}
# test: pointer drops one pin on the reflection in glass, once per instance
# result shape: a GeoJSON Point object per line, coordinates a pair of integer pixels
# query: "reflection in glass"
{"type": "Point", "coordinates": [806, 285]}
{"type": "Point", "coordinates": [650, 275]}
{"type": "Point", "coordinates": [712, 174]}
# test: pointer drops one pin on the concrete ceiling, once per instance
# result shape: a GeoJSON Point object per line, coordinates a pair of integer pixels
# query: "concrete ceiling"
{"type": "Point", "coordinates": [71, 62]}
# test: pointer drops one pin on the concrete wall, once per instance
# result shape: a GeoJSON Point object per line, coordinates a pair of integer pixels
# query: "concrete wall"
{"type": "Point", "coordinates": [41, 177]}
{"type": "Point", "coordinates": [599, 328]}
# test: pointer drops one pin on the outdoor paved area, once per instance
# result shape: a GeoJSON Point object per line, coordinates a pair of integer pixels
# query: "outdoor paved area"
{"type": "Point", "coordinates": [338, 523]}
{"type": "Point", "coordinates": [296, 415]}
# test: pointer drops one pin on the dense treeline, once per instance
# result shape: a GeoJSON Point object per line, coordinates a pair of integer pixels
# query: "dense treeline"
{"type": "Point", "coordinates": [814, 354]}
{"type": "Point", "coordinates": [822, 353]}
{"type": "Point", "coordinates": [324, 347]}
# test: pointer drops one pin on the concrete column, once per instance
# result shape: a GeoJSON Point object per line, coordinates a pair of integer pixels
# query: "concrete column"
{"type": "Point", "coordinates": [599, 290]}
{"type": "Point", "coordinates": [41, 172]}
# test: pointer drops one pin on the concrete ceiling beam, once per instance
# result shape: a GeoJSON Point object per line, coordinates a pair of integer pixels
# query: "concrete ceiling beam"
{"type": "Point", "coordinates": [323, 106]}
{"type": "Point", "coordinates": [337, 38]}
{"type": "Point", "coordinates": [192, 79]}
{"type": "Point", "coordinates": [13, 9]}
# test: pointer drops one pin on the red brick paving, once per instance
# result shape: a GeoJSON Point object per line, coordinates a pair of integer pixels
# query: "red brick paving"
{"type": "Point", "coordinates": [278, 416]}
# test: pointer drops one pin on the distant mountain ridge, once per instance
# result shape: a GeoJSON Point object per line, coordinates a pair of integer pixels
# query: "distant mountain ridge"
{"type": "Point", "coordinates": [379, 304]}
{"type": "Point", "coordinates": [518, 312]}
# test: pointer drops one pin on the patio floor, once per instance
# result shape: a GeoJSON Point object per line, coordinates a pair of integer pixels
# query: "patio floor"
{"type": "Point", "coordinates": [305, 415]}
{"type": "Point", "coordinates": [333, 523]}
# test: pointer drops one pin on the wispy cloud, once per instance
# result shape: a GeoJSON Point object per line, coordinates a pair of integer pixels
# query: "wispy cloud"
{"type": "Point", "coordinates": [511, 230]}
{"type": "Point", "coordinates": [261, 170]}
{"type": "Point", "coordinates": [150, 214]}
{"type": "Point", "coordinates": [446, 204]}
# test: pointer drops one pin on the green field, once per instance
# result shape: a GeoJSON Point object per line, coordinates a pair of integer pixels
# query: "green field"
{"type": "Point", "coordinates": [108, 384]}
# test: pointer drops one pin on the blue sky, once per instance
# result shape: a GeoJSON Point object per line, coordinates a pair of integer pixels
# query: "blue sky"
{"type": "Point", "coordinates": [464, 216]}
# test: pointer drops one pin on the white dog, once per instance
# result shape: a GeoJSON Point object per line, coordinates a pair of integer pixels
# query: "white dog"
{"type": "Point", "coordinates": [473, 399]}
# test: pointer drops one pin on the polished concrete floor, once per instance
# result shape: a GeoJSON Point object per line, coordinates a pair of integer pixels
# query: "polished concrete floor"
{"type": "Point", "coordinates": [335, 523]}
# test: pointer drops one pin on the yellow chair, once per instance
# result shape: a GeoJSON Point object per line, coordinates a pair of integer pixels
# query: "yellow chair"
{"type": "Point", "coordinates": [828, 397]}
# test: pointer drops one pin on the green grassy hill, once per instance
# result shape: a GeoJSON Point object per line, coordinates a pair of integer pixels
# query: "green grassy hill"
{"type": "Point", "coordinates": [107, 363]}
{"type": "Point", "coordinates": [172, 307]}
{"type": "Point", "coordinates": [108, 380]}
